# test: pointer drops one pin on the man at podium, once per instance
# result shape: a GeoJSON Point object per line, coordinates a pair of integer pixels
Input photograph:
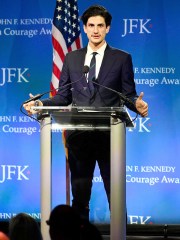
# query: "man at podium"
{"type": "Point", "coordinates": [93, 76]}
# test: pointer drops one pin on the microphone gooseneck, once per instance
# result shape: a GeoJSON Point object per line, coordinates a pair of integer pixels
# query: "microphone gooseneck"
{"type": "Point", "coordinates": [38, 96]}
{"type": "Point", "coordinates": [85, 72]}
{"type": "Point", "coordinates": [124, 98]}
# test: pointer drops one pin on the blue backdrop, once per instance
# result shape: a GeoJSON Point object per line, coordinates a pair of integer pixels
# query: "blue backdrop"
{"type": "Point", "coordinates": [150, 31]}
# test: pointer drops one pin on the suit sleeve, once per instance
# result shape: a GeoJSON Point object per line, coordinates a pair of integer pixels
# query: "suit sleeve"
{"type": "Point", "coordinates": [128, 84]}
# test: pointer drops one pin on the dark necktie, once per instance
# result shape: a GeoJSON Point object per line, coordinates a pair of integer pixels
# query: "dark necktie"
{"type": "Point", "coordinates": [92, 73]}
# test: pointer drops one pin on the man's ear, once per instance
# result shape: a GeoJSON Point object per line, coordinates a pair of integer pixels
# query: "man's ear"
{"type": "Point", "coordinates": [107, 29]}
{"type": "Point", "coordinates": [84, 27]}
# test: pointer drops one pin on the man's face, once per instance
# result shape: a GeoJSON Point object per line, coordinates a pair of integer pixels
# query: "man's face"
{"type": "Point", "coordinates": [96, 30]}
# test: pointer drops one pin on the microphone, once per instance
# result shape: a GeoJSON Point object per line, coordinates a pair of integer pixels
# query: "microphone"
{"type": "Point", "coordinates": [38, 96]}
{"type": "Point", "coordinates": [123, 97]}
{"type": "Point", "coordinates": [86, 69]}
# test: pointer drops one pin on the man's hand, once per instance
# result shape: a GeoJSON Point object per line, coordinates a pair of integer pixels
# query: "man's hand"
{"type": "Point", "coordinates": [141, 106]}
{"type": "Point", "coordinates": [27, 106]}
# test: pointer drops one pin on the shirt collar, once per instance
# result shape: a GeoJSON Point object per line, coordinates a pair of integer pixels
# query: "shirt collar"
{"type": "Point", "coordinates": [100, 51]}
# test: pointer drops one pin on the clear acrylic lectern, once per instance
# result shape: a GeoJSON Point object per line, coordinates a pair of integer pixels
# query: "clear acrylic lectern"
{"type": "Point", "coordinates": [88, 118]}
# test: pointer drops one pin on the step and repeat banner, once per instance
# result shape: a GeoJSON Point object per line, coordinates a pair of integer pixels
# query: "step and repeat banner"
{"type": "Point", "coordinates": [150, 31]}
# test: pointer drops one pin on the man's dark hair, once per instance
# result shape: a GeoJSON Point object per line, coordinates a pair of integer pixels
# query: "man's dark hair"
{"type": "Point", "coordinates": [97, 10]}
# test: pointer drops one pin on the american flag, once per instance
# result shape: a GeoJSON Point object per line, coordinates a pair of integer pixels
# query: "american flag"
{"type": "Point", "coordinates": [66, 36]}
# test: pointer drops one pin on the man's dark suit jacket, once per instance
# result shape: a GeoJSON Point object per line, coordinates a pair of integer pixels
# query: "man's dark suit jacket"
{"type": "Point", "coordinates": [116, 72]}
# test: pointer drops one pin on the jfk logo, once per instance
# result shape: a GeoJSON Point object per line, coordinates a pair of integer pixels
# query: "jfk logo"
{"type": "Point", "coordinates": [10, 75]}
{"type": "Point", "coordinates": [140, 26]}
{"type": "Point", "coordinates": [13, 172]}
{"type": "Point", "coordinates": [133, 219]}
{"type": "Point", "coordinates": [141, 125]}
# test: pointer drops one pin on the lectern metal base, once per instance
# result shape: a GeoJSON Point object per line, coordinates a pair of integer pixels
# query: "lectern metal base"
{"type": "Point", "coordinates": [118, 180]}
{"type": "Point", "coordinates": [118, 123]}
{"type": "Point", "coordinates": [45, 175]}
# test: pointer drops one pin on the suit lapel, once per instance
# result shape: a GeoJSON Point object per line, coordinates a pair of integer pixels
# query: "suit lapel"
{"type": "Point", "coordinates": [81, 59]}
{"type": "Point", "coordinates": [106, 65]}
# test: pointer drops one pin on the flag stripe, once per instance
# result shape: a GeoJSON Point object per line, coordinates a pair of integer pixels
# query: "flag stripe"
{"type": "Point", "coordinates": [57, 35]}
{"type": "Point", "coordinates": [56, 71]}
{"type": "Point", "coordinates": [59, 50]}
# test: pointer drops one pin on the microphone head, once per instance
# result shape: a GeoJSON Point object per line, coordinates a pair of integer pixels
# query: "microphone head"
{"type": "Point", "coordinates": [85, 69]}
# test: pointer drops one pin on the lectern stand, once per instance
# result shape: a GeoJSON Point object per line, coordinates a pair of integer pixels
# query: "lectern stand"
{"type": "Point", "coordinates": [86, 118]}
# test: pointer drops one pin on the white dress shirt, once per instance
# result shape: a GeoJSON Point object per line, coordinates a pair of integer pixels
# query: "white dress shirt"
{"type": "Point", "coordinates": [99, 57]}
